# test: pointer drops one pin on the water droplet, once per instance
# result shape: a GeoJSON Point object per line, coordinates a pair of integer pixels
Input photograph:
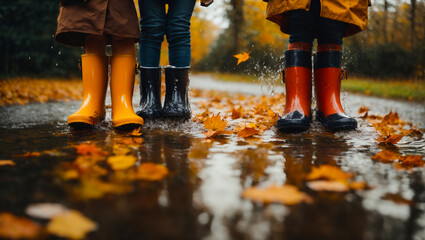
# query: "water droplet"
{"type": "Point", "coordinates": [51, 47]}
{"type": "Point", "coordinates": [29, 58]}
{"type": "Point", "coordinates": [57, 64]}
{"type": "Point", "coordinates": [59, 53]}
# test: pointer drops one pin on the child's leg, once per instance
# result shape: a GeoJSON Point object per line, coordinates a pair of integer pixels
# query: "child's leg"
{"type": "Point", "coordinates": [178, 32]}
{"type": "Point", "coordinates": [327, 76]}
{"type": "Point", "coordinates": [297, 112]}
{"type": "Point", "coordinates": [123, 62]}
{"type": "Point", "coordinates": [176, 104]}
{"type": "Point", "coordinates": [95, 78]}
{"type": "Point", "coordinates": [153, 25]}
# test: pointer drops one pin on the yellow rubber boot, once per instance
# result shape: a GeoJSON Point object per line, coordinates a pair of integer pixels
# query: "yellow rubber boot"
{"type": "Point", "coordinates": [95, 79]}
{"type": "Point", "coordinates": [122, 84]}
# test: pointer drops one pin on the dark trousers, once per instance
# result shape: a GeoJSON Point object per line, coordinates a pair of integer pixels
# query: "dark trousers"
{"type": "Point", "coordinates": [306, 25]}
{"type": "Point", "coordinates": [156, 22]}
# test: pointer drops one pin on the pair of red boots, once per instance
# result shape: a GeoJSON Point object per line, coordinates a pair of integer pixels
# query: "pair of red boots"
{"type": "Point", "coordinates": [297, 115]}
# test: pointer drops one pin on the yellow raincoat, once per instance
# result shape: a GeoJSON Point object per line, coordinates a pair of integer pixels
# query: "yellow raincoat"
{"type": "Point", "coordinates": [353, 12]}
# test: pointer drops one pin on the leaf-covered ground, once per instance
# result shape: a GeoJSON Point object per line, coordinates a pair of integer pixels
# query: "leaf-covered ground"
{"type": "Point", "coordinates": [227, 174]}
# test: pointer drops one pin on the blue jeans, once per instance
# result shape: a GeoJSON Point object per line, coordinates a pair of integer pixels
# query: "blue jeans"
{"type": "Point", "coordinates": [305, 25]}
{"type": "Point", "coordinates": [155, 22]}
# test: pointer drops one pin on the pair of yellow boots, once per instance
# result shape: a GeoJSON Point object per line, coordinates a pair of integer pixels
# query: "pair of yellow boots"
{"type": "Point", "coordinates": [95, 82]}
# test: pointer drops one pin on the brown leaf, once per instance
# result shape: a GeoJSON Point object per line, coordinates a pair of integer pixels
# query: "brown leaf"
{"type": "Point", "coordinates": [363, 109]}
{"type": "Point", "coordinates": [237, 113]}
{"type": "Point", "coordinates": [286, 194]}
{"type": "Point", "coordinates": [397, 199]}
{"type": "Point", "coordinates": [151, 172]}
{"type": "Point", "coordinates": [410, 161]}
{"type": "Point", "coordinates": [390, 139]}
{"type": "Point", "coordinates": [71, 224]}
{"type": "Point", "coordinates": [13, 227]}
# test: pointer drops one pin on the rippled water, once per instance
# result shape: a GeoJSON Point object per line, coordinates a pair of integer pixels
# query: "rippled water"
{"type": "Point", "coordinates": [201, 199]}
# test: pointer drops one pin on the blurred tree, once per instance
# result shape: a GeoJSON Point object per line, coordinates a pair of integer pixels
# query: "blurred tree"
{"type": "Point", "coordinates": [27, 45]}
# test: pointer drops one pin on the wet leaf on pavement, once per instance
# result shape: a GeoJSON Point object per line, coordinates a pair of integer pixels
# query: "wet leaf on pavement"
{"type": "Point", "coordinates": [386, 156]}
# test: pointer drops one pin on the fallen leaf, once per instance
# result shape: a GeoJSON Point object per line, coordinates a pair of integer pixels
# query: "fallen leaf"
{"type": "Point", "coordinates": [71, 224]}
{"type": "Point", "coordinates": [332, 186]}
{"type": "Point", "coordinates": [29, 154]}
{"type": "Point", "coordinates": [248, 132]}
{"type": "Point", "coordinates": [286, 194]}
{"type": "Point", "coordinates": [89, 149]}
{"type": "Point", "coordinates": [390, 139]}
{"type": "Point", "coordinates": [45, 210]}
{"type": "Point", "coordinates": [13, 227]}
{"type": "Point", "coordinates": [363, 109]}
{"type": "Point", "coordinates": [151, 172]}
{"type": "Point", "coordinates": [386, 156]}
{"type": "Point", "coordinates": [410, 161]}
{"type": "Point", "coordinates": [137, 132]}
{"type": "Point", "coordinates": [215, 123]}
{"type": "Point", "coordinates": [397, 199]}
{"type": "Point", "coordinates": [242, 57]}
{"type": "Point", "coordinates": [7, 163]}
{"type": "Point", "coordinates": [121, 162]}
{"type": "Point", "coordinates": [329, 172]}
{"type": "Point", "coordinates": [237, 113]}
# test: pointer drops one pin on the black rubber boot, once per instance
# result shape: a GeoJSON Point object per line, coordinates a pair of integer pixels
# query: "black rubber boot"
{"type": "Point", "coordinates": [150, 93]}
{"type": "Point", "coordinates": [176, 104]}
{"type": "Point", "coordinates": [297, 78]}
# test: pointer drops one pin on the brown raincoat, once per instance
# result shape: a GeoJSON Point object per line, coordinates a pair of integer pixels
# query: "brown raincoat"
{"type": "Point", "coordinates": [353, 12]}
{"type": "Point", "coordinates": [77, 18]}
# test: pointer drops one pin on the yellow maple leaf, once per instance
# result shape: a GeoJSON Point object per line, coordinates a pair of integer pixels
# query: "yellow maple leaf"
{"type": "Point", "coordinates": [71, 224]}
{"type": "Point", "coordinates": [286, 194]}
{"type": "Point", "coordinates": [215, 123]}
{"type": "Point", "coordinates": [151, 171]}
{"type": "Point", "coordinates": [242, 57]}
{"type": "Point", "coordinates": [121, 162]}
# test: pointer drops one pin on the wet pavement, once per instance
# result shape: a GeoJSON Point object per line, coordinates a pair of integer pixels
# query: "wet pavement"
{"type": "Point", "coordinates": [201, 197]}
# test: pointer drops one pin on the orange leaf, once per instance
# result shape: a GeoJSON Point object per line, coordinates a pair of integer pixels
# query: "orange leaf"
{"type": "Point", "coordinates": [151, 172]}
{"type": "Point", "coordinates": [363, 109]}
{"type": "Point", "coordinates": [89, 149]}
{"type": "Point", "coordinates": [137, 132]}
{"type": "Point", "coordinates": [248, 132]}
{"type": "Point", "coordinates": [397, 199]}
{"type": "Point", "coordinates": [13, 227]}
{"type": "Point", "coordinates": [329, 172]}
{"type": "Point", "coordinates": [7, 162]}
{"type": "Point", "coordinates": [29, 154]}
{"type": "Point", "coordinates": [237, 113]}
{"type": "Point", "coordinates": [386, 156]}
{"type": "Point", "coordinates": [390, 139]}
{"type": "Point", "coordinates": [215, 123]}
{"type": "Point", "coordinates": [410, 161]}
{"type": "Point", "coordinates": [286, 194]}
{"type": "Point", "coordinates": [332, 186]}
{"type": "Point", "coordinates": [242, 57]}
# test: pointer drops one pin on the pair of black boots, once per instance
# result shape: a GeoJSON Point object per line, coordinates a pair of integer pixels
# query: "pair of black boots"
{"type": "Point", "coordinates": [176, 103]}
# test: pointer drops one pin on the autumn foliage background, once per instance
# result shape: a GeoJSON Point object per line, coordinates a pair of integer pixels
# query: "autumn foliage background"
{"type": "Point", "coordinates": [393, 46]}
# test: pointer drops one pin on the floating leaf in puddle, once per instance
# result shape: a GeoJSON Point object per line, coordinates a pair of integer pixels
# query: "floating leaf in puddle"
{"type": "Point", "coordinates": [409, 162]}
{"type": "Point", "coordinates": [248, 132]}
{"type": "Point", "coordinates": [151, 172]}
{"type": "Point", "coordinates": [45, 210]}
{"type": "Point", "coordinates": [7, 163]}
{"type": "Point", "coordinates": [386, 156]}
{"type": "Point", "coordinates": [71, 224]}
{"type": "Point", "coordinates": [28, 154]}
{"type": "Point", "coordinates": [286, 194]}
{"type": "Point", "coordinates": [329, 172]}
{"type": "Point", "coordinates": [89, 149]}
{"type": "Point", "coordinates": [332, 186]}
{"type": "Point", "coordinates": [121, 162]}
{"type": "Point", "coordinates": [13, 227]}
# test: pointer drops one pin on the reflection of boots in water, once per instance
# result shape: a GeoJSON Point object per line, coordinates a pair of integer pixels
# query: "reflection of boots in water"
{"type": "Point", "coordinates": [327, 84]}
{"type": "Point", "coordinates": [297, 78]}
{"type": "Point", "coordinates": [150, 93]}
{"type": "Point", "coordinates": [122, 84]}
{"type": "Point", "coordinates": [176, 104]}
{"type": "Point", "coordinates": [95, 79]}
